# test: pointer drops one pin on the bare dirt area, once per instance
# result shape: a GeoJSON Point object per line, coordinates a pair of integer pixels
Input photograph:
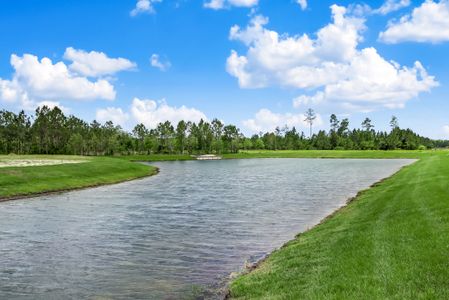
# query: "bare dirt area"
{"type": "Point", "coordinates": [36, 162]}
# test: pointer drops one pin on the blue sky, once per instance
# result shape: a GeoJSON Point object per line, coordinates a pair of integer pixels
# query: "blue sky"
{"type": "Point", "coordinates": [256, 64]}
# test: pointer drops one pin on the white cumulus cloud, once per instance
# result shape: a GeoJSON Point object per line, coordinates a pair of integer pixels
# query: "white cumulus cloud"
{"type": "Point", "coordinates": [116, 115]}
{"type": "Point", "coordinates": [40, 79]}
{"type": "Point", "coordinates": [391, 6]}
{"type": "Point", "coordinates": [373, 81]}
{"type": "Point", "coordinates": [95, 63]}
{"type": "Point", "coordinates": [52, 104]}
{"type": "Point", "coordinates": [304, 100]}
{"type": "Point", "coordinates": [427, 23]}
{"type": "Point", "coordinates": [159, 63]}
{"type": "Point", "coordinates": [266, 121]}
{"type": "Point", "coordinates": [151, 113]}
{"type": "Point", "coordinates": [302, 3]}
{"type": "Point", "coordinates": [43, 79]}
{"type": "Point", "coordinates": [220, 4]}
{"type": "Point", "coordinates": [144, 6]}
{"type": "Point", "coordinates": [332, 64]}
{"type": "Point", "coordinates": [35, 79]}
{"type": "Point", "coordinates": [8, 91]}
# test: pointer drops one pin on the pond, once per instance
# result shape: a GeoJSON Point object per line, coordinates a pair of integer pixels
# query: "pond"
{"type": "Point", "coordinates": [173, 234]}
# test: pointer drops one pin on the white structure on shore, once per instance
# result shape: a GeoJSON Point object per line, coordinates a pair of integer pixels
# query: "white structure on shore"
{"type": "Point", "coordinates": [208, 157]}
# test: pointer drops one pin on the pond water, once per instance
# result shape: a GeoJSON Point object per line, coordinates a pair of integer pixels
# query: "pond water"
{"type": "Point", "coordinates": [170, 235]}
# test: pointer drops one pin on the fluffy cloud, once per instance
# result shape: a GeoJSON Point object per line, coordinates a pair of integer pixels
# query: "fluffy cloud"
{"type": "Point", "coordinates": [331, 63]}
{"type": "Point", "coordinates": [95, 64]}
{"type": "Point", "coordinates": [35, 80]}
{"type": "Point", "coordinates": [148, 112]}
{"type": "Point", "coordinates": [220, 4]}
{"type": "Point", "coordinates": [391, 6]}
{"type": "Point", "coordinates": [45, 80]}
{"type": "Point", "coordinates": [373, 81]}
{"type": "Point", "coordinates": [302, 3]}
{"type": "Point", "coordinates": [8, 91]}
{"type": "Point", "coordinates": [427, 23]}
{"type": "Point", "coordinates": [156, 62]}
{"type": "Point", "coordinates": [116, 115]}
{"type": "Point", "coordinates": [144, 6]}
{"type": "Point", "coordinates": [305, 100]}
{"type": "Point", "coordinates": [151, 113]}
{"type": "Point", "coordinates": [52, 104]}
{"type": "Point", "coordinates": [266, 121]}
{"type": "Point", "coordinates": [297, 61]}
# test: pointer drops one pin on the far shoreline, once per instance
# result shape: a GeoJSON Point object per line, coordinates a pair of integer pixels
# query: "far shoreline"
{"type": "Point", "coordinates": [148, 159]}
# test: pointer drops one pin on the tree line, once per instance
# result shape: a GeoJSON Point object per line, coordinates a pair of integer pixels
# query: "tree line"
{"type": "Point", "coordinates": [50, 131]}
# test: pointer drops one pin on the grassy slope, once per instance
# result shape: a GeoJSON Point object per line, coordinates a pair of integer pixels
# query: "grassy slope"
{"type": "Point", "coordinates": [391, 243]}
{"type": "Point", "coordinates": [15, 181]}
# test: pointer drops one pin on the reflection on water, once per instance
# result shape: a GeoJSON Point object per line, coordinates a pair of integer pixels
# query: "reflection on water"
{"type": "Point", "coordinates": [162, 237]}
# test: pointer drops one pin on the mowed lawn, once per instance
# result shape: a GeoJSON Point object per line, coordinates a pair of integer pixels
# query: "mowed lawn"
{"type": "Point", "coordinates": [246, 154]}
{"type": "Point", "coordinates": [392, 242]}
{"type": "Point", "coordinates": [330, 154]}
{"type": "Point", "coordinates": [24, 181]}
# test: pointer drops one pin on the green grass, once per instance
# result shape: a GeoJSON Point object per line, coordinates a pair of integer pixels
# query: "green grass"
{"type": "Point", "coordinates": [290, 154]}
{"type": "Point", "coordinates": [392, 242]}
{"type": "Point", "coordinates": [156, 157]}
{"type": "Point", "coordinates": [24, 181]}
{"type": "Point", "coordinates": [330, 154]}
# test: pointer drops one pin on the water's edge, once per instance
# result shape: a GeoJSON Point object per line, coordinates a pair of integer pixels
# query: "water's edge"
{"type": "Point", "coordinates": [155, 172]}
{"type": "Point", "coordinates": [61, 191]}
{"type": "Point", "coordinates": [220, 288]}
{"type": "Point", "coordinates": [248, 268]}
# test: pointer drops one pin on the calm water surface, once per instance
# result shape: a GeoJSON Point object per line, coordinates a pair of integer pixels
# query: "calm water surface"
{"type": "Point", "coordinates": [161, 237]}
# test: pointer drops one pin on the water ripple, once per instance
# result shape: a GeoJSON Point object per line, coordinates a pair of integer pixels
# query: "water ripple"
{"type": "Point", "coordinates": [192, 224]}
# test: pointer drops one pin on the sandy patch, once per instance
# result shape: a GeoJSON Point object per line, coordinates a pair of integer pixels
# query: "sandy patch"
{"type": "Point", "coordinates": [37, 162]}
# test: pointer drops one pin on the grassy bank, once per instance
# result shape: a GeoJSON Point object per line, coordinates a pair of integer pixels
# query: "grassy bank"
{"type": "Point", "coordinates": [392, 242]}
{"type": "Point", "coordinates": [156, 157]}
{"type": "Point", "coordinates": [329, 154]}
{"type": "Point", "coordinates": [25, 181]}
{"type": "Point", "coordinates": [290, 154]}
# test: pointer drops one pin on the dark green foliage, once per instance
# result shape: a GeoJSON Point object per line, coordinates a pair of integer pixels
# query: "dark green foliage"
{"type": "Point", "coordinates": [49, 131]}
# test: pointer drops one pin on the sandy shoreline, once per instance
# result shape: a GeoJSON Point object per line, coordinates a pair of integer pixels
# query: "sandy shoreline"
{"type": "Point", "coordinates": [37, 162]}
